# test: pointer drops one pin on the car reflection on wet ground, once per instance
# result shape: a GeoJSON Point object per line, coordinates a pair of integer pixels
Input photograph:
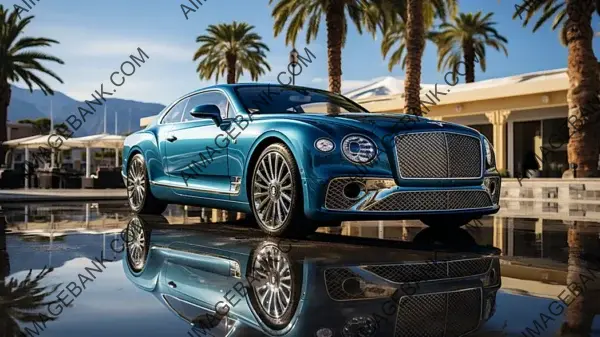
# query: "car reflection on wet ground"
{"type": "Point", "coordinates": [380, 278]}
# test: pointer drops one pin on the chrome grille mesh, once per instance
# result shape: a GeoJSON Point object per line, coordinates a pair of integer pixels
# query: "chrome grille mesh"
{"type": "Point", "coordinates": [421, 316]}
{"type": "Point", "coordinates": [432, 200]}
{"type": "Point", "coordinates": [440, 155]}
{"type": "Point", "coordinates": [442, 314]}
{"type": "Point", "coordinates": [464, 311]}
{"type": "Point", "coordinates": [464, 156]}
{"type": "Point", "coordinates": [335, 198]}
{"type": "Point", "coordinates": [422, 155]}
{"type": "Point", "coordinates": [432, 270]}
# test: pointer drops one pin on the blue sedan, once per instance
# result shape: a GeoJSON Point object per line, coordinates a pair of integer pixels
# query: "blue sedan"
{"type": "Point", "coordinates": [287, 154]}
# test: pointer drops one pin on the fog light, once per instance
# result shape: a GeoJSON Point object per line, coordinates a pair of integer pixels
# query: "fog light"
{"type": "Point", "coordinates": [324, 332]}
{"type": "Point", "coordinates": [354, 190]}
{"type": "Point", "coordinates": [360, 326]}
{"type": "Point", "coordinates": [352, 286]}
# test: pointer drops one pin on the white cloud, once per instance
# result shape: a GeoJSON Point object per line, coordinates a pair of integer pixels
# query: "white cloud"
{"type": "Point", "coordinates": [123, 47]}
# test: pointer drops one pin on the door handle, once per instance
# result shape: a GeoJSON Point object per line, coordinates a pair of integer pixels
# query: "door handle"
{"type": "Point", "coordinates": [172, 284]}
{"type": "Point", "coordinates": [171, 138]}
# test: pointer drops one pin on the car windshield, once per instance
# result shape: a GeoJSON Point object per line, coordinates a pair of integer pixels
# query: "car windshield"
{"type": "Point", "coordinates": [270, 99]}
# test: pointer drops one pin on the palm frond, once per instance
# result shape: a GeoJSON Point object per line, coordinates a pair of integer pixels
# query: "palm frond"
{"type": "Point", "coordinates": [237, 41]}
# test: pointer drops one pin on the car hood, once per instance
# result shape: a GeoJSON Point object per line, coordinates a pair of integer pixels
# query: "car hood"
{"type": "Point", "coordinates": [377, 123]}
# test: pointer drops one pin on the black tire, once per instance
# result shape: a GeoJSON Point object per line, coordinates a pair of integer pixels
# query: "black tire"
{"type": "Point", "coordinates": [441, 222]}
{"type": "Point", "coordinates": [260, 273]}
{"type": "Point", "coordinates": [268, 190]}
{"type": "Point", "coordinates": [136, 238]}
{"type": "Point", "coordinates": [139, 196]}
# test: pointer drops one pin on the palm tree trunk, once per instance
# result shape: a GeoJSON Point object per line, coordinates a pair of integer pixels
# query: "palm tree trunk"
{"type": "Point", "coordinates": [335, 24]}
{"type": "Point", "coordinates": [469, 54]}
{"type": "Point", "coordinates": [4, 102]}
{"type": "Point", "coordinates": [231, 62]}
{"type": "Point", "coordinates": [580, 313]}
{"type": "Point", "coordinates": [415, 43]}
{"type": "Point", "coordinates": [584, 85]}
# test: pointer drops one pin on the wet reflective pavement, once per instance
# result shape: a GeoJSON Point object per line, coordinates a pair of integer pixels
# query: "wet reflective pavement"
{"type": "Point", "coordinates": [98, 270]}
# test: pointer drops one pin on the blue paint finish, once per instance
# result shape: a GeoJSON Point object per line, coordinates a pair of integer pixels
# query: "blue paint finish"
{"type": "Point", "coordinates": [213, 156]}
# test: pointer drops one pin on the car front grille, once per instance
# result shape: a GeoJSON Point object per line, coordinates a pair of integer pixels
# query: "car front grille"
{"type": "Point", "coordinates": [440, 314]}
{"type": "Point", "coordinates": [438, 155]}
{"type": "Point", "coordinates": [432, 201]}
{"type": "Point", "coordinates": [431, 270]}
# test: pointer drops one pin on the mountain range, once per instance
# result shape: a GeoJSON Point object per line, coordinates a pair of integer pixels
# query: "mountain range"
{"type": "Point", "coordinates": [33, 105]}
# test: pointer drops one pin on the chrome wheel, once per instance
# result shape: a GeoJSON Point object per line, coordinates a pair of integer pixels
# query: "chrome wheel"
{"type": "Point", "coordinates": [274, 286]}
{"type": "Point", "coordinates": [136, 183]}
{"type": "Point", "coordinates": [272, 190]}
{"type": "Point", "coordinates": [136, 244]}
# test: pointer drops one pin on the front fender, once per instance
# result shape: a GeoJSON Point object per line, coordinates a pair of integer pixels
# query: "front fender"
{"type": "Point", "coordinates": [146, 143]}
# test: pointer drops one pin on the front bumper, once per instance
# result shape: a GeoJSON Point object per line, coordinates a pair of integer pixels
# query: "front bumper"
{"type": "Point", "coordinates": [381, 198]}
{"type": "Point", "coordinates": [409, 298]}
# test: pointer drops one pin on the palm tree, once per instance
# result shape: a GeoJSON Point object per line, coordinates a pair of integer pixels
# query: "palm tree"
{"type": "Point", "coordinates": [232, 49]}
{"type": "Point", "coordinates": [21, 302]}
{"type": "Point", "coordinates": [334, 11]}
{"type": "Point", "coordinates": [18, 62]}
{"type": "Point", "coordinates": [466, 39]}
{"type": "Point", "coordinates": [418, 16]}
{"type": "Point", "coordinates": [575, 19]}
{"type": "Point", "coordinates": [18, 300]}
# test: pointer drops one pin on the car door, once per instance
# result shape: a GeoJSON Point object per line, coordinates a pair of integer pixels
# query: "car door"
{"type": "Point", "coordinates": [196, 150]}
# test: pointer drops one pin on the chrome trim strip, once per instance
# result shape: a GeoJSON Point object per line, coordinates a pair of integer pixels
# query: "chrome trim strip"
{"type": "Point", "coordinates": [196, 189]}
{"type": "Point", "coordinates": [482, 159]}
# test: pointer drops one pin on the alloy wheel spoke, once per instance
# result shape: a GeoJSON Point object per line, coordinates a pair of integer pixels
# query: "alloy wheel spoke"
{"type": "Point", "coordinates": [286, 197]}
{"type": "Point", "coordinates": [262, 204]}
{"type": "Point", "coordinates": [260, 194]}
{"type": "Point", "coordinates": [271, 172]}
{"type": "Point", "coordinates": [264, 166]}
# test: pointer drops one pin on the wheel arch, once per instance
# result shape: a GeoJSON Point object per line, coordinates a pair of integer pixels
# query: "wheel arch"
{"type": "Point", "coordinates": [262, 143]}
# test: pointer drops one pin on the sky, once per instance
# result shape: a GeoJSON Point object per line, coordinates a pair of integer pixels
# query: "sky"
{"type": "Point", "coordinates": [96, 37]}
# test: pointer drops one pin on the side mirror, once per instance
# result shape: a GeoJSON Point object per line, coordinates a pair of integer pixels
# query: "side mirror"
{"type": "Point", "coordinates": [208, 111]}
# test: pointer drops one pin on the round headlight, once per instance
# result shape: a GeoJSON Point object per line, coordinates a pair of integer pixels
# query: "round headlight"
{"type": "Point", "coordinates": [324, 145]}
{"type": "Point", "coordinates": [359, 149]}
{"type": "Point", "coordinates": [489, 152]}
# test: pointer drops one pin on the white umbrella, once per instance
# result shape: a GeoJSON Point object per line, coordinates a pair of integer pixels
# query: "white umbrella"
{"type": "Point", "coordinates": [102, 140]}
{"type": "Point", "coordinates": [53, 141]}
{"type": "Point", "coordinates": [19, 141]}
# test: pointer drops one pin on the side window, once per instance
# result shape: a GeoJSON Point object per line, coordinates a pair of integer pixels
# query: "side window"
{"type": "Point", "coordinates": [174, 115]}
{"type": "Point", "coordinates": [211, 97]}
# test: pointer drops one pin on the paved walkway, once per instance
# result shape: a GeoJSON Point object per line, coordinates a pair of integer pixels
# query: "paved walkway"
{"type": "Point", "coordinates": [49, 195]}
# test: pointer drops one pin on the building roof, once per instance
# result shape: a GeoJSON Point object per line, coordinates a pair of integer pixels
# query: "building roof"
{"type": "Point", "coordinates": [390, 88]}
